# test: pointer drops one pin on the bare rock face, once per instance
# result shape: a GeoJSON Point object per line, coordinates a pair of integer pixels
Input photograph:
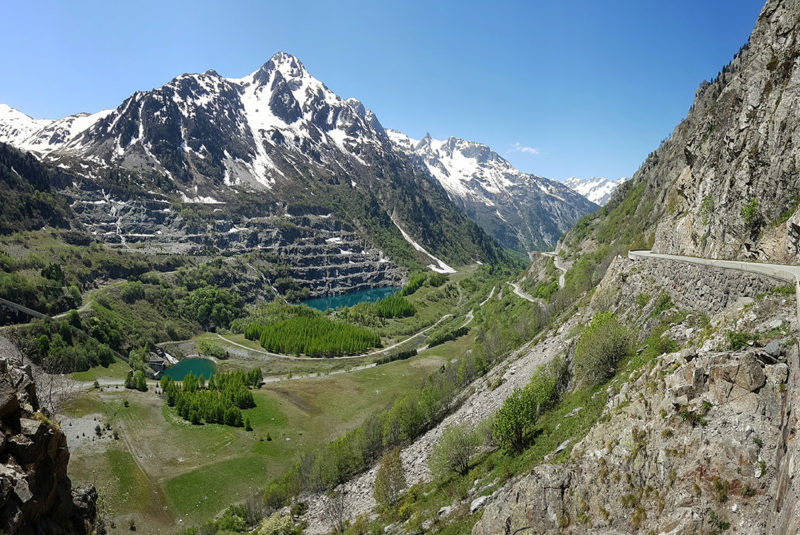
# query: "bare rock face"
{"type": "Point", "coordinates": [724, 185]}
{"type": "Point", "coordinates": [36, 496]}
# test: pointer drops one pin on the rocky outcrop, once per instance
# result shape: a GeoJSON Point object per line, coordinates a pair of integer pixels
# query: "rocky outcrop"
{"type": "Point", "coordinates": [724, 185]}
{"type": "Point", "coordinates": [36, 496]}
{"type": "Point", "coordinates": [701, 454]}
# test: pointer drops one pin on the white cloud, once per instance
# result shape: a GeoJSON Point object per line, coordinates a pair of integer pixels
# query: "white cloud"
{"type": "Point", "coordinates": [518, 147]}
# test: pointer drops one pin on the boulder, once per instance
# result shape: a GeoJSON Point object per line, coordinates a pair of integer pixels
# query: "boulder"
{"type": "Point", "coordinates": [751, 374]}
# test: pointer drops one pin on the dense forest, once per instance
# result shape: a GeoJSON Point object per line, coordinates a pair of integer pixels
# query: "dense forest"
{"type": "Point", "coordinates": [219, 401]}
{"type": "Point", "coordinates": [315, 336]}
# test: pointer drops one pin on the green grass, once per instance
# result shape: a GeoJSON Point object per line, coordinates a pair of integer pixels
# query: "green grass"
{"type": "Point", "coordinates": [132, 486]}
{"type": "Point", "coordinates": [266, 414]}
{"type": "Point", "coordinates": [203, 492]}
{"type": "Point", "coordinates": [198, 470]}
{"type": "Point", "coordinates": [117, 370]}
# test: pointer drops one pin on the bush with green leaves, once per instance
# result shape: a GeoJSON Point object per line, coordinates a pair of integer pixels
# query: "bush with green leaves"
{"type": "Point", "coordinates": [516, 419]}
{"type": "Point", "coordinates": [453, 451]}
{"type": "Point", "coordinates": [136, 380]}
{"type": "Point", "coordinates": [390, 480]}
{"type": "Point", "coordinates": [277, 524]}
{"type": "Point", "coordinates": [603, 343]}
{"type": "Point", "coordinates": [751, 215]}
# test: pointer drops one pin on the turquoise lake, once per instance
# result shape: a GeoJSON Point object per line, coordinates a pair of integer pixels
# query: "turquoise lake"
{"type": "Point", "coordinates": [198, 367]}
{"type": "Point", "coordinates": [348, 300]}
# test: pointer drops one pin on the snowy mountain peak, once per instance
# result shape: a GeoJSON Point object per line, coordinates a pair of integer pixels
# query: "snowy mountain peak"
{"type": "Point", "coordinates": [596, 189]}
{"type": "Point", "coordinates": [527, 212]}
{"type": "Point", "coordinates": [16, 125]}
{"type": "Point", "coordinates": [287, 65]}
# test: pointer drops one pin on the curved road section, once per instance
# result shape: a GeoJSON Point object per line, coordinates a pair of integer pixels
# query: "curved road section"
{"type": "Point", "coordinates": [777, 271]}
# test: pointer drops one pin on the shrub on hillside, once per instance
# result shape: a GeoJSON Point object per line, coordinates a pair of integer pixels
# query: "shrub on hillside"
{"type": "Point", "coordinates": [517, 417]}
{"type": "Point", "coordinates": [601, 346]}
{"type": "Point", "coordinates": [452, 452]}
{"type": "Point", "coordinates": [390, 479]}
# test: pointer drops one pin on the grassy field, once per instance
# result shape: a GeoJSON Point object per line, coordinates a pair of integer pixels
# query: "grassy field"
{"type": "Point", "coordinates": [187, 473]}
{"type": "Point", "coordinates": [117, 370]}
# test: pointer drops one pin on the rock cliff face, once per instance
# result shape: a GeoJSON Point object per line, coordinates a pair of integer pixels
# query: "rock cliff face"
{"type": "Point", "coordinates": [724, 185]}
{"type": "Point", "coordinates": [699, 439]}
{"type": "Point", "coordinates": [36, 496]}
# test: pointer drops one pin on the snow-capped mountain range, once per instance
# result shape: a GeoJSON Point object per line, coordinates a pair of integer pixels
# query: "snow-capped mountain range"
{"type": "Point", "coordinates": [282, 132]}
{"type": "Point", "coordinates": [522, 211]}
{"type": "Point", "coordinates": [596, 189]}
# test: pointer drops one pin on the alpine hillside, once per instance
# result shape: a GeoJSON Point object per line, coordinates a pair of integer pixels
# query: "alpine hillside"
{"type": "Point", "coordinates": [272, 161]}
{"type": "Point", "coordinates": [522, 211]}
{"type": "Point", "coordinates": [724, 184]}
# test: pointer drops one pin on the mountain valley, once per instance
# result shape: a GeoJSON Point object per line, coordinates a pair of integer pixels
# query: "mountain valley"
{"type": "Point", "coordinates": [591, 356]}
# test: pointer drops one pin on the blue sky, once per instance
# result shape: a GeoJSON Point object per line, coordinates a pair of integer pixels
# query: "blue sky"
{"type": "Point", "coordinates": [559, 88]}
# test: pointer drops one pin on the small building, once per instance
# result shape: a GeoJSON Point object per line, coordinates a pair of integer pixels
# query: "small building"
{"type": "Point", "coordinates": [158, 361]}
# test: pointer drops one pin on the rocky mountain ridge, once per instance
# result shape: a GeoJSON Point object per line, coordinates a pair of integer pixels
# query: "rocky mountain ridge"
{"type": "Point", "coordinates": [283, 135]}
{"type": "Point", "coordinates": [522, 211]}
{"type": "Point", "coordinates": [273, 161]}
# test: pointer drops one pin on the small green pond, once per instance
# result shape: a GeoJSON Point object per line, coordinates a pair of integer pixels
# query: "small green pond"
{"type": "Point", "coordinates": [350, 299]}
{"type": "Point", "coordinates": [198, 367]}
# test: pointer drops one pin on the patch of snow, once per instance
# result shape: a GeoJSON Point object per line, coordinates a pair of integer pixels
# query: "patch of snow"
{"type": "Point", "coordinates": [199, 199]}
{"type": "Point", "coordinates": [596, 189]}
{"type": "Point", "coordinates": [439, 267]}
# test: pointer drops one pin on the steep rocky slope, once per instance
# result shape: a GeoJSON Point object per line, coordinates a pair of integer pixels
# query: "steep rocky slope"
{"type": "Point", "coordinates": [36, 496]}
{"type": "Point", "coordinates": [693, 441]}
{"type": "Point", "coordinates": [689, 440]}
{"type": "Point", "coordinates": [522, 211]}
{"type": "Point", "coordinates": [724, 185]}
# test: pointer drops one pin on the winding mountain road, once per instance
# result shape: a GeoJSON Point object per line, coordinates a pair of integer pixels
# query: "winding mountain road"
{"type": "Point", "coordinates": [519, 292]}
{"type": "Point", "coordinates": [559, 266]}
